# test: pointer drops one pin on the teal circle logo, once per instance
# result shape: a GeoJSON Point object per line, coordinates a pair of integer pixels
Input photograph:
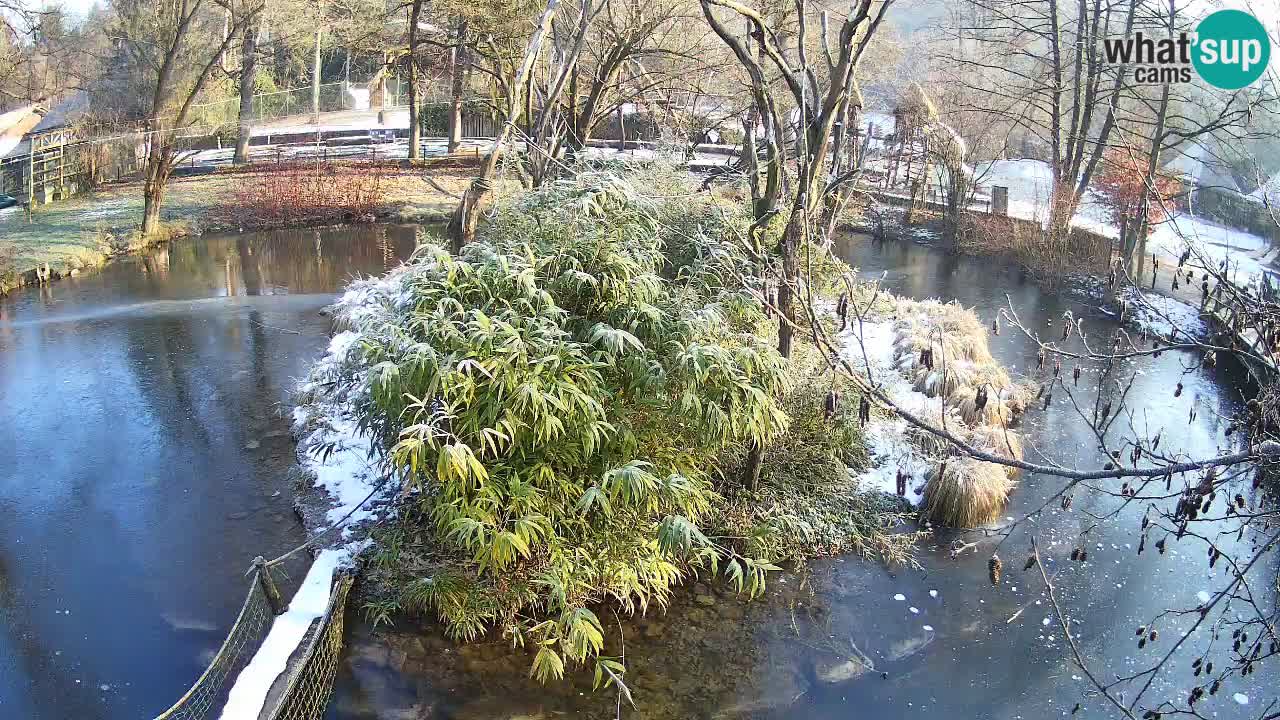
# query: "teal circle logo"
{"type": "Point", "coordinates": [1231, 49]}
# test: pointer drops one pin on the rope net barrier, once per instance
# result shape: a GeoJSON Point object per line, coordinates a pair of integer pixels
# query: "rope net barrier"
{"type": "Point", "coordinates": [308, 682]}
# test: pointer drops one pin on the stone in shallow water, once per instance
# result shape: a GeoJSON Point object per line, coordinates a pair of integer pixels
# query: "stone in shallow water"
{"type": "Point", "coordinates": [839, 671]}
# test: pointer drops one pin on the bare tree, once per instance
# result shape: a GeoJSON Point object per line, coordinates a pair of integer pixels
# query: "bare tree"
{"type": "Point", "coordinates": [1042, 68]}
{"type": "Point", "coordinates": [462, 226]}
{"type": "Point", "coordinates": [411, 64]}
{"type": "Point", "coordinates": [458, 73]}
{"type": "Point", "coordinates": [169, 45]}
{"type": "Point", "coordinates": [248, 84]}
{"type": "Point", "coordinates": [817, 109]}
{"type": "Point", "coordinates": [546, 127]}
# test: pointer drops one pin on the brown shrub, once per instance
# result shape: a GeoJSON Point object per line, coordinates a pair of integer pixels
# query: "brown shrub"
{"type": "Point", "coordinates": [307, 194]}
{"type": "Point", "coordinates": [1048, 255]}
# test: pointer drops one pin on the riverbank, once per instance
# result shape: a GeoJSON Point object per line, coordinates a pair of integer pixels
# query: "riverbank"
{"type": "Point", "coordinates": [1086, 280]}
{"type": "Point", "coordinates": [1182, 240]}
{"type": "Point", "coordinates": [84, 233]}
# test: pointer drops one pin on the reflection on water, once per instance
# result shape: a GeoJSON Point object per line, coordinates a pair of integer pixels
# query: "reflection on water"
{"type": "Point", "coordinates": [834, 642]}
{"type": "Point", "coordinates": [145, 458]}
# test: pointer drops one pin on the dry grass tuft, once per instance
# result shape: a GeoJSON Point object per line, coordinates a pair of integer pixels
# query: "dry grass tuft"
{"type": "Point", "coordinates": [995, 412]}
{"type": "Point", "coordinates": [970, 492]}
{"type": "Point", "coordinates": [966, 493]}
{"type": "Point", "coordinates": [998, 441]}
{"type": "Point", "coordinates": [928, 443]}
{"type": "Point", "coordinates": [962, 361]}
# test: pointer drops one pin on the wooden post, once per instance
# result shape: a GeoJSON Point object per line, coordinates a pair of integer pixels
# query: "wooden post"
{"type": "Point", "coordinates": [622, 129]}
{"type": "Point", "coordinates": [278, 606]}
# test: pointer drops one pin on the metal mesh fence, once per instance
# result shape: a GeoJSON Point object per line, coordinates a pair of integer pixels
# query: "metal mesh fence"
{"type": "Point", "coordinates": [209, 692]}
{"type": "Point", "coordinates": [299, 102]}
{"type": "Point", "coordinates": [307, 694]}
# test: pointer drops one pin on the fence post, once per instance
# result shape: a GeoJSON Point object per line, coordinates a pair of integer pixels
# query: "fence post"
{"type": "Point", "coordinates": [999, 200]}
{"type": "Point", "coordinates": [269, 588]}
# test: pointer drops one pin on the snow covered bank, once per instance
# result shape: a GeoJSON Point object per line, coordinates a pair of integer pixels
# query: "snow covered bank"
{"type": "Point", "coordinates": [343, 458]}
{"type": "Point", "coordinates": [333, 449]}
{"type": "Point", "coordinates": [345, 464]}
{"type": "Point", "coordinates": [1030, 183]}
{"type": "Point", "coordinates": [1235, 252]}
{"type": "Point", "coordinates": [886, 436]}
{"type": "Point", "coordinates": [1165, 316]}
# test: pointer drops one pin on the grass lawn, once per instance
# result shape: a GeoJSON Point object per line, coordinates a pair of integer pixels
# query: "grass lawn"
{"type": "Point", "coordinates": [73, 233]}
{"type": "Point", "coordinates": [84, 231]}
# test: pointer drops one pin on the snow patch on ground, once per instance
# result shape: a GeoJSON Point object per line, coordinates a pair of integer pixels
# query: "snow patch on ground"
{"type": "Point", "coordinates": [886, 437]}
{"type": "Point", "coordinates": [1165, 316]}
{"type": "Point", "coordinates": [1233, 252]}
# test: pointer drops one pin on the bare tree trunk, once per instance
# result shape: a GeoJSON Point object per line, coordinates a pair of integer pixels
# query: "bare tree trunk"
{"type": "Point", "coordinates": [791, 238]}
{"type": "Point", "coordinates": [458, 72]}
{"type": "Point", "coordinates": [1149, 180]}
{"type": "Point", "coordinates": [754, 464]}
{"type": "Point", "coordinates": [462, 226]}
{"type": "Point", "coordinates": [1153, 161]}
{"type": "Point", "coordinates": [622, 129]}
{"type": "Point", "coordinates": [315, 80]}
{"type": "Point", "coordinates": [384, 96]}
{"type": "Point", "coordinates": [248, 75]}
{"type": "Point", "coordinates": [155, 180]}
{"type": "Point", "coordinates": [415, 131]}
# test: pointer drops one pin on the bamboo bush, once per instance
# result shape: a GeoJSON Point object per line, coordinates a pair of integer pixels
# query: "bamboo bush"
{"type": "Point", "coordinates": [567, 406]}
{"type": "Point", "coordinates": [555, 402]}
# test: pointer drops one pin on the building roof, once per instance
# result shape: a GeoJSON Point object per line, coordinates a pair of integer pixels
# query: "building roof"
{"type": "Point", "coordinates": [63, 113]}
{"type": "Point", "coordinates": [15, 124]}
{"type": "Point", "coordinates": [1200, 165]}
